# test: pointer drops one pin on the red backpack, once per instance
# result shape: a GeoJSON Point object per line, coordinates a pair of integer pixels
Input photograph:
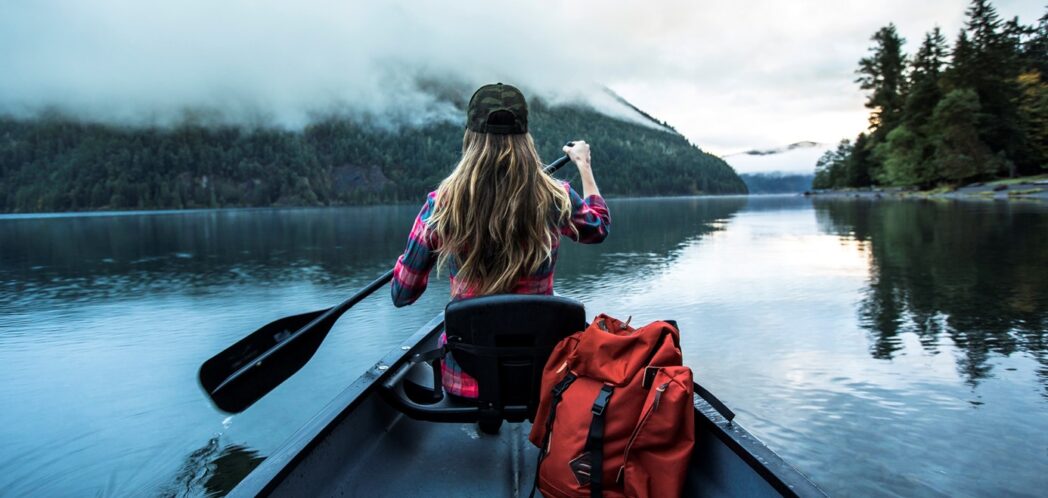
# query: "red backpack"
{"type": "Point", "coordinates": [616, 414]}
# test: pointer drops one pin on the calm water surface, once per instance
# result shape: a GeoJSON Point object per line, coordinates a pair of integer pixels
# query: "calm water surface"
{"type": "Point", "coordinates": [884, 348]}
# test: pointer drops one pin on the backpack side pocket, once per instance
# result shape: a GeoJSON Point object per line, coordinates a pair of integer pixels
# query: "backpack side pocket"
{"type": "Point", "coordinates": [658, 452]}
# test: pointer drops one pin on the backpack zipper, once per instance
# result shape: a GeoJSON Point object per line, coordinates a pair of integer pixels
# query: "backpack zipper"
{"type": "Point", "coordinates": [636, 432]}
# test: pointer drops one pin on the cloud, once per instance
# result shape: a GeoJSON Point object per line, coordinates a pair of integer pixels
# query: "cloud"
{"type": "Point", "coordinates": [794, 161]}
{"type": "Point", "coordinates": [143, 61]}
{"type": "Point", "coordinates": [765, 73]}
{"type": "Point", "coordinates": [729, 75]}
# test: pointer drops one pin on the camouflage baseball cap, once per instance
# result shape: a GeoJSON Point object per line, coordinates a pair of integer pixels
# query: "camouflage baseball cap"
{"type": "Point", "coordinates": [498, 109]}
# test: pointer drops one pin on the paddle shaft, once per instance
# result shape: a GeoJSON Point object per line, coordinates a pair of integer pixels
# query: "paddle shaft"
{"type": "Point", "coordinates": [329, 317]}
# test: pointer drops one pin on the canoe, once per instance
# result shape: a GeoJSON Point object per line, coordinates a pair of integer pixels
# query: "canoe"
{"type": "Point", "coordinates": [360, 444]}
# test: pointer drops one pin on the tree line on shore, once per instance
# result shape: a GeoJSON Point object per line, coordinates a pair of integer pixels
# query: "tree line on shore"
{"type": "Point", "coordinates": [57, 163]}
{"type": "Point", "coordinates": [949, 115]}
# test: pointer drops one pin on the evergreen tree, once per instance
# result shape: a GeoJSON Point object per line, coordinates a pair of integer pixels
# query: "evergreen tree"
{"type": "Point", "coordinates": [57, 163]}
{"type": "Point", "coordinates": [860, 163]}
{"type": "Point", "coordinates": [882, 75]}
{"type": "Point", "coordinates": [905, 160]}
{"type": "Point", "coordinates": [993, 76]}
{"type": "Point", "coordinates": [984, 26]}
{"type": "Point", "coordinates": [1032, 102]}
{"type": "Point", "coordinates": [960, 73]}
{"type": "Point", "coordinates": [1034, 52]}
{"type": "Point", "coordinates": [905, 155]}
{"type": "Point", "coordinates": [924, 88]}
{"type": "Point", "coordinates": [960, 155]}
{"type": "Point", "coordinates": [1033, 114]}
{"type": "Point", "coordinates": [830, 168]}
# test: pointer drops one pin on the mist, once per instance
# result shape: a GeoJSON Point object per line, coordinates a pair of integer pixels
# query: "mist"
{"type": "Point", "coordinates": [281, 63]}
{"type": "Point", "coordinates": [728, 75]}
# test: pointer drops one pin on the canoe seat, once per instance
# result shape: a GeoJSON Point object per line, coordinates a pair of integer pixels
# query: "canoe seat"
{"type": "Point", "coordinates": [503, 341]}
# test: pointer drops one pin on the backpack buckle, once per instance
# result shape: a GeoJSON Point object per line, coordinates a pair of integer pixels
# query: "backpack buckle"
{"type": "Point", "coordinates": [601, 402]}
{"type": "Point", "coordinates": [562, 386]}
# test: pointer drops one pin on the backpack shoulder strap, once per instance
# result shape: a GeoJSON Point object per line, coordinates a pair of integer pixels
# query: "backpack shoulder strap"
{"type": "Point", "coordinates": [558, 393]}
{"type": "Point", "coordinates": [595, 441]}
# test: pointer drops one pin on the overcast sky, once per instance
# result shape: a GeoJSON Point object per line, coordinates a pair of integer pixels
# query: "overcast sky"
{"type": "Point", "coordinates": [728, 75]}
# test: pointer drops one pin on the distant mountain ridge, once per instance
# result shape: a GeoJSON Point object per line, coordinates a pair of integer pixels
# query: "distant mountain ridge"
{"type": "Point", "coordinates": [777, 182]}
{"type": "Point", "coordinates": [618, 98]}
{"type": "Point", "coordinates": [63, 164]}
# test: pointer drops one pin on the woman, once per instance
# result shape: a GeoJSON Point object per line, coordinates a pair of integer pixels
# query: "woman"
{"type": "Point", "coordinates": [497, 219]}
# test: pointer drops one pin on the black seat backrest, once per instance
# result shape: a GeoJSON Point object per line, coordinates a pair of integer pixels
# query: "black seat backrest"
{"type": "Point", "coordinates": [504, 341]}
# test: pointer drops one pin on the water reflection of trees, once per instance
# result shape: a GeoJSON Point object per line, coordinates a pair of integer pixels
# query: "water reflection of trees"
{"type": "Point", "coordinates": [78, 258]}
{"type": "Point", "coordinates": [970, 272]}
{"type": "Point", "coordinates": [104, 257]}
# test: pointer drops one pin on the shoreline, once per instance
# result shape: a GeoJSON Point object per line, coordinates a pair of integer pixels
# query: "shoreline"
{"type": "Point", "coordinates": [101, 212]}
{"type": "Point", "coordinates": [1026, 188]}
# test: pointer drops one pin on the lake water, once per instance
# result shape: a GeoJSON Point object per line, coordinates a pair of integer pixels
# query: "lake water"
{"type": "Point", "coordinates": [883, 348]}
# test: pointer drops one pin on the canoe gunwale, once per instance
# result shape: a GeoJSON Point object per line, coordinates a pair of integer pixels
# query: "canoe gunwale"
{"type": "Point", "coordinates": [268, 475]}
{"type": "Point", "coordinates": [782, 476]}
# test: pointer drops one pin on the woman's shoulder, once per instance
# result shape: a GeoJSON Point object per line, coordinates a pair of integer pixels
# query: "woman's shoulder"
{"type": "Point", "coordinates": [427, 206]}
{"type": "Point", "coordinates": [430, 200]}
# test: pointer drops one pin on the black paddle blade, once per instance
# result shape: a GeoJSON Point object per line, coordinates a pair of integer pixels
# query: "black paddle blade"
{"type": "Point", "coordinates": [234, 394]}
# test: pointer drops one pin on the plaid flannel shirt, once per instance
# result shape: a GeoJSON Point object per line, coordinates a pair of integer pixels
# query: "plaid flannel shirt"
{"type": "Point", "coordinates": [588, 224]}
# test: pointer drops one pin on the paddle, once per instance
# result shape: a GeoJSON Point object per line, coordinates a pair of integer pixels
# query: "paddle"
{"type": "Point", "coordinates": [248, 370]}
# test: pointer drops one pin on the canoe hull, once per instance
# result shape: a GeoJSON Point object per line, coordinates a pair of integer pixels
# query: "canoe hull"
{"type": "Point", "coordinates": [360, 446]}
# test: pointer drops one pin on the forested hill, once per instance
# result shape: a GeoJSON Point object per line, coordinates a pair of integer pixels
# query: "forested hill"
{"type": "Point", "coordinates": [777, 182]}
{"type": "Point", "coordinates": [60, 164]}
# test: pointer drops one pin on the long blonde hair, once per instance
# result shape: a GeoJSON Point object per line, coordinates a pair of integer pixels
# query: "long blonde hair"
{"type": "Point", "coordinates": [497, 213]}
